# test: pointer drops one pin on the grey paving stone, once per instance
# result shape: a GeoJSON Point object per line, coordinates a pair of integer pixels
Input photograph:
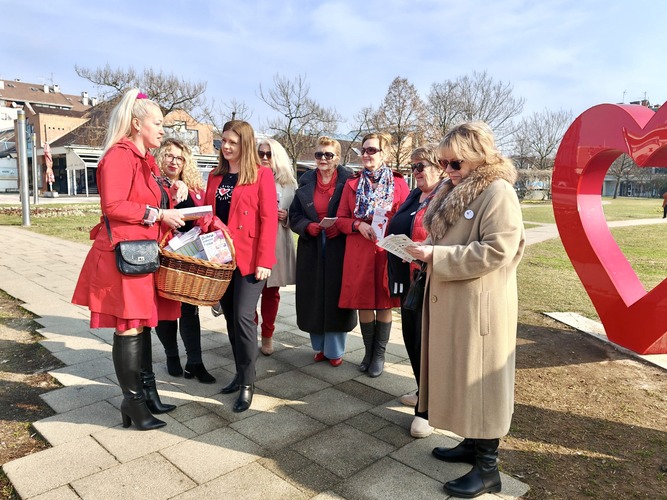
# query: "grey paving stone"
{"type": "Point", "coordinates": [279, 428]}
{"type": "Point", "coordinates": [252, 482]}
{"type": "Point", "coordinates": [62, 493]}
{"type": "Point", "coordinates": [388, 478]}
{"type": "Point", "coordinates": [148, 478]}
{"type": "Point", "coordinates": [49, 469]}
{"type": "Point", "coordinates": [332, 375]}
{"type": "Point", "coordinates": [343, 450]}
{"type": "Point", "coordinates": [396, 413]}
{"type": "Point", "coordinates": [188, 411]}
{"type": "Point", "coordinates": [269, 366]}
{"type": "Point", "coordinates": [364, 392]}
{"type": "Point", "coordinates": [129, 444]}
{"type": "Point", "coordinates": [83, 394]}
{"type": "Point", "coordinates": [291, 385]}
{"type": "Point", "coordinates": [368, 423]}
{"type": "Point", "coordinates": [77, 424]}
{"type": "Point", "coordinates": [213, 454]}
{"type": "Point", "coordinates": [205, 423]}
{"type": "Point", "coordinates": [301, 355]}
{"type": "Point", "coordinates": [261, 402]}
{"type": "Point", "coordinates": [396, 379]}
{"type": "Point", "coordinates": [330, 406]}
{"type": "Point", "coordinates": [101, 366]}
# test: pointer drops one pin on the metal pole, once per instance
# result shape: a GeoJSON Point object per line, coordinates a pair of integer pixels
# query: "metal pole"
{"type": "Point", "coordinates": [35, 177]}
{"type": "Point", "coordinates": [22, 150]}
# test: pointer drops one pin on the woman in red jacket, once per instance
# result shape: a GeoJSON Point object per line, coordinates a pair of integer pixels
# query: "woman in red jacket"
{"type": "Point", "coordinates": [243, 196]}
{"type": "Point", "coordinates": [135, 206]}
{"type": "Point", "coordinates": [370, 199]}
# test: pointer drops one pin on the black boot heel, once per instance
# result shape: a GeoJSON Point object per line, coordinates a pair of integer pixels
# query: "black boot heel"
{"type": "Point", "coordinates": [198, 370]}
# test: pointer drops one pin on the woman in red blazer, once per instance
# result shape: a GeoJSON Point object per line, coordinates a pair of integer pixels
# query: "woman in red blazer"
{"type": "Point", "coordinates": [243, 196]}
{"type": "Point", "coordinates": [365, 283]}
{"type": "Point", "coordinates": [136, 207]}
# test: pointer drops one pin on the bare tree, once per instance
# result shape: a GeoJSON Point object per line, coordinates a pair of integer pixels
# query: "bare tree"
{"type": "Point", "coordinates": [363, 124]}
{"type": "Point", "coordinates": [475, 97]}
{"type": "Point", "coordinates": [301, 118]}
{"type": "Point", "coordinates": [623, 169]}
{"type": "Point", "coordinates": [168, 91]}
{"type": "Point", "coordinates": [538, 136]}
{"type": "Point", "coordinates": [217, 114]}
{"type": "Point", "coordinates": [403, 114]}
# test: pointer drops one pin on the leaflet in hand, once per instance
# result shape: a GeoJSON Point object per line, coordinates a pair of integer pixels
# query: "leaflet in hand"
{"type": "Point", "coordinates": [327, 222]}
{"type": "Point", "coordinates": [396, 244]}
{"type": "Point", "coordinates": [194, 213]}
{"type": "Point", "coordinates": [379, 223]}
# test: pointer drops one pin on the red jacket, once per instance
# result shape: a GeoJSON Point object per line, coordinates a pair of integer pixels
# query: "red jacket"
{"type": "Point", "coordinates": [365, 280]}
{"type": "Point", "coordinates": [253, 220]}
{"type": "Point", "coordinates": [126, 186]}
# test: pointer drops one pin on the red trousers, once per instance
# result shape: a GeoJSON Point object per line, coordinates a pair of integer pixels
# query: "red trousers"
{"type": "Point", "coordinates": [269, 309]}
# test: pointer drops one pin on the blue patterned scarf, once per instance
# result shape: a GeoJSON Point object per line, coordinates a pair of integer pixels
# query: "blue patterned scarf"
{"type": "Point", "coordinates": [368, 199]}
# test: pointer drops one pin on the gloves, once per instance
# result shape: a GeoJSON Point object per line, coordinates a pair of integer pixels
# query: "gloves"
{"type": "Point", "coordinates": [313, 229]}
{"type": "Point", "coordinates": [332, 231]}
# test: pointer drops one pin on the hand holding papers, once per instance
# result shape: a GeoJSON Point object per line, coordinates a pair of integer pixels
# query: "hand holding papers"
{"type": "Point", "coordinates": [194, 213]}
{"type": "Point", "coordinates": [396, 244]}
{"type": "Point", "coordinates": [327, 222]}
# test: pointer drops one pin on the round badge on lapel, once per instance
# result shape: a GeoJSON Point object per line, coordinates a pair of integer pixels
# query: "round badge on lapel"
{"type": "Point", "coordinates": [468, 214]}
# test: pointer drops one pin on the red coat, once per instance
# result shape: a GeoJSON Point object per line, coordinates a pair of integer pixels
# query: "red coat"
{"type": "Point", "coordinates": [126, 185]}
{"type": "Point", "coordinates": [253, 220]}
{"type": "Point", "coordinates": [365, 280]}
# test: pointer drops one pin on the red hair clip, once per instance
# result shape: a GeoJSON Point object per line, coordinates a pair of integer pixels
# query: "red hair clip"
{"type": "Point", "coordinates": [141, 95]}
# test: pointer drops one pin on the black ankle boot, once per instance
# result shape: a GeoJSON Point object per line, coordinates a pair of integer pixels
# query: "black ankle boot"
{"type": "Point", "coordinates": [174, 367]}
{"type": "Point", "coordinates": [245, 398]}
{"type": "Point", "coordinates": [233, 386]}
{"type": "Point", "coordinates": [368, 335]}
{"type": "Point", "coordinates": [148, 376]}
{"type": "Point", "coordinates": [382, 332]}
{"type": "Point", "coordinates": [484, 476]}
{"type": "Point", "coordinates": [464, 452]}
{"type": "Point", "coordinates": [198, 370]}
{"type": "Point", "coordinates": [126, 354]}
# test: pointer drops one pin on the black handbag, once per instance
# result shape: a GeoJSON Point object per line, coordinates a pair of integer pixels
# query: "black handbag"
{"type": "Point", "coordinates": [415, 297]}
{"type": "Point", "coordinates": [135, 257]}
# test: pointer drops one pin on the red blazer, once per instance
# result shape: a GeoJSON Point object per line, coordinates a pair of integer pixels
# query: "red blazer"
{"type": "Point", "coordinates": [253, 220]}
{"type": "Point", "coordinates": [126, 185]}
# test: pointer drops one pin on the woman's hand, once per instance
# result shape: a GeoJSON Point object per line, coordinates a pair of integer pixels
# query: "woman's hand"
{"type": "Point", "coordinates": [282, 215]}
{"type": "Point", "coordinates": [366, 231]}
{"type": "Point", "coordinates": [172, 218]}
{"type": "Point", "coordinates": [178, 191]}
{"type": "Point", "coordinates": [262, 273]}
{"type": "Point", "coordinates": [421, 252]}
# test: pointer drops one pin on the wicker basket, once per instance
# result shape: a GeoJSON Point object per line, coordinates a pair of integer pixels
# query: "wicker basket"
{"type": "Point", "coordinates": [191, 280]}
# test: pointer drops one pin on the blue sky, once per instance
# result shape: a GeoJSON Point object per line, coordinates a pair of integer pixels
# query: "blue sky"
{"type": "Point", "coordinates": [557, 54]}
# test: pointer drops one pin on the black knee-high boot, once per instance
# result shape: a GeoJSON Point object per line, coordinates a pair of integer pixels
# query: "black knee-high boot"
{"type": "Point", "coordinates": [166, 332]}
{"type": "Point", "coordinates": [368, 335]}
{"type": "Point", "coordinates": [382, 333]}
{"type": "Point", "coordinates": [190, 328]}
{"type": "Point", "coordinates": [484, 476]}
{"type": "Point", "coordinates": [126, 354]}
{"type": "Point", "coordinates": [148, 377]}
{"type": "Point", "coordinates": [463, 452]}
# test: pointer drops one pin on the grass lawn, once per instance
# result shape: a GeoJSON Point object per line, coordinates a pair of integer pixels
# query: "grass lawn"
{"type": "Point", "coordinates": [618, 209]}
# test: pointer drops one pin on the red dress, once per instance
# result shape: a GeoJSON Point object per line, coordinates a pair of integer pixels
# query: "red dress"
{"type": "Point", "coordinates": [126, 184]}
{"type": "Point", "coordinates": [365, 281]}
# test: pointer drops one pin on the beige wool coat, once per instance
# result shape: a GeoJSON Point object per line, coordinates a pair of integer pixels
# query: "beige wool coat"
{"type": "Point", "coordinates": [284, 272]}
{"type": "Point", "coordinates": [470, 305]}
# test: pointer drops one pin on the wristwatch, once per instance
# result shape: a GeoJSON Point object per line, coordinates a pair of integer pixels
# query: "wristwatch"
{"type": "Point", "coordinates": [151, 215]}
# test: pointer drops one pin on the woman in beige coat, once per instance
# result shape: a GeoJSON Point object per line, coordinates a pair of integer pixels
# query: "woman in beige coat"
{"type": "Point", "coordinates": [470, 306]}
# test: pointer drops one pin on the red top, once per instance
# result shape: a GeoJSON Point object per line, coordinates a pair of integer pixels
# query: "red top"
{"type": "Point", "coordinates": [253, 220]}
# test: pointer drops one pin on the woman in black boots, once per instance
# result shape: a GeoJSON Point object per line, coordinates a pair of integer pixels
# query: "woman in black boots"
{"type": "Point", "coordinates": [177, 164]}
{"type": "Point", "coordinates": [135, 206]}
{"type": "Point", "coordinates": [469, 321]}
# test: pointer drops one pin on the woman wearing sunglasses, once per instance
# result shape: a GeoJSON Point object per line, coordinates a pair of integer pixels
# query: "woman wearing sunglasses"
{"type": "Point", "coordinates": [428, 175]}
{"type": "Point", "coordinates": [177, 164]}
{"type": "Point", "coordinates": [274, 156]}
{"type": "Point", "coordinates": [320, 252]}
{"type": "Point", "coordinates": [476, 240]}
{"type": "Point", "coordinates": [376, 190]}
{"type": "Point", "coordinates": [243, 196]}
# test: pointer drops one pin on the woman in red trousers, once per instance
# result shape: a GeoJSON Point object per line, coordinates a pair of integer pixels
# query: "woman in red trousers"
{"type": "Point", "coordinates": [135, 206]}
{"type": "Point", "coordinates": [243, 196]}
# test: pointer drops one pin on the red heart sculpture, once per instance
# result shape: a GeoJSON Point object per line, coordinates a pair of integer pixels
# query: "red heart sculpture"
{"type": "Point", "coordinates": [632, 317]}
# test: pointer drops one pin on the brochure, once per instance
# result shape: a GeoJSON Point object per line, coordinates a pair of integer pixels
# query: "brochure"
{"type": "Point", "coordinates": [194, 213]}
{"type": "Point", "coordinates": [327, 222]}
{"type": "Point", "coordinates": [396, 244]}
{"type": "Point", "coordinates": [379, 223]}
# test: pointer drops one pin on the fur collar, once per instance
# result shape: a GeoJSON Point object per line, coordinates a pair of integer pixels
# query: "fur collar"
{"type": "Point", "coordinates": [451, 201]}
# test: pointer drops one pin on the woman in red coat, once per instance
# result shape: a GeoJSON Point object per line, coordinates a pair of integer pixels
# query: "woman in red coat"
{"type": "Point", "coordinates": [369, 200]}
{"type": "Point", "coordinates": [135, 206]}
{"type": "Point", "coordinates": [243, 196]}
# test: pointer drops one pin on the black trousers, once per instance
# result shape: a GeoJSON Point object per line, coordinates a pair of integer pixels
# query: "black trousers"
{"type": "Point", "coordinates": [239, 305]}
{"type": "Point", "coordinates": [411, 324]}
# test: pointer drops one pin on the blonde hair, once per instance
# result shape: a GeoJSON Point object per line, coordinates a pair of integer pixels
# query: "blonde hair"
{"type": "Point", "coordinates": [249, 157]}
{"type": "Point", "coordinates": [120, 120]}
{"type": "Point", "coordinates": [384, 140]}
{"type": "Point", "coordinates": [190, 174]}
{"type": "Point", "coordinates": [474, 142]}
{"type": "Point", "coordinates": [280, 163]}
{"type": "Point", "coordinates": [429, 154]}
{"type": "Point", "coordinates": [328, 141]}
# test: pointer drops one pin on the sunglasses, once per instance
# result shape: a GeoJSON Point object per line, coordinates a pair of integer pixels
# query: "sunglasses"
{"type": "Point", "coordinates": [370, 151]}
{"type": "Point", "coordinates": [328, 155]}
{"type": "Point", "coordinates": [263, 154]}
{"type": "Point", "coordinates": [179, 160]}
{"type": "Point", "coordinates": [419, 167]}
{"type": "Point", "coordinates": [455, 164]}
